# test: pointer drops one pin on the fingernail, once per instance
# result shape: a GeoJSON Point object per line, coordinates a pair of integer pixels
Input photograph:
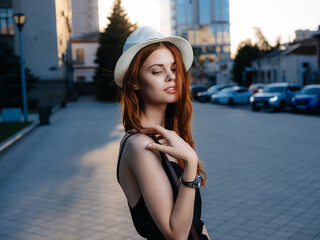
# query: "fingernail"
{"type": "Point", "coordinates": [149, 145]}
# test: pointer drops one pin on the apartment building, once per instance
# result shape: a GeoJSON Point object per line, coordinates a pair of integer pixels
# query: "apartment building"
{"type": "Point", "coordinates": [205, 24]}
{"type": "Point", "coordinates": [85, 17]}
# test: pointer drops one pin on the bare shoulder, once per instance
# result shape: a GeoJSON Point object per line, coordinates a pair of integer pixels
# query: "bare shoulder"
{"type": "Point", "coordinates": [136, 149]}
{"type": "Point", "coordinates": [138, 143]}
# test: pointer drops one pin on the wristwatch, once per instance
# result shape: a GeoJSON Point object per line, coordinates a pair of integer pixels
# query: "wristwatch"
{"type": "Point", "coordinates": [194, 184]}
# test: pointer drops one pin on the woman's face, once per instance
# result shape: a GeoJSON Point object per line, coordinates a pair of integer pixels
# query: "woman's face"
{"type": "Point", "coordinates": [157, 78]}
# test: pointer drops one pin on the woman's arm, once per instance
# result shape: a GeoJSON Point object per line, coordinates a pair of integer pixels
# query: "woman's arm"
{"type": "Point", "coordinates": [173, 219]}
{"type": "Point", "coordinates": [205, 232]}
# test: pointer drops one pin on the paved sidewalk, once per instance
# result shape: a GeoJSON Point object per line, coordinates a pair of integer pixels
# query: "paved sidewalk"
{"type": "Point", "coordinates": [263, 171]}
{"type": "Point", "coordinates": [63, 185]}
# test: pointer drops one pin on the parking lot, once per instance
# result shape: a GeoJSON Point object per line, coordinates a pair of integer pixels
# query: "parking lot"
{"type": "Point", "coordinates": [263, 172]}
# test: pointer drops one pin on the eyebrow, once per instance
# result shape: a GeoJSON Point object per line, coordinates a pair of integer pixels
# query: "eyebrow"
{"type": "Point", "coordinates": [159, 65]}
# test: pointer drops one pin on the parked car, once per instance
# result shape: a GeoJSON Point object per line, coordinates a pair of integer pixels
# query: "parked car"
{"type": "Point", "coordinates": [205, 96]}
{"type": "Point", "coordinates": [232, 95]}
{"type": "Point", "coordinates": [308, 99]}
{"type": "Point", "coordinates": [194, 89]}
{"type": "Point", "coordinates": [275, 96]}
{"type": "Point", "coordinates": [256, 87]}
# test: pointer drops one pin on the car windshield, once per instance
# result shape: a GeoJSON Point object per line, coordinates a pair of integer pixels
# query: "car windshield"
{"type": "Point", "coordinates": [311, 91]}
{"type": "Point", "coordinates": [273, 89]}
{"type": "Point", "coordinates": [214, 88]}
{"type": "Point", "coordinates": [226, 90]}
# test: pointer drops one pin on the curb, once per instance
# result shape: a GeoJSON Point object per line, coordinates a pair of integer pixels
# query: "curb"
{"type": "Point", "coordinates": [11, 140]}
{"type": "Point", "coordinates": [17, 136]}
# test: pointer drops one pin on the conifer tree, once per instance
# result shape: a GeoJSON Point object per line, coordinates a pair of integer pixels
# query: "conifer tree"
{"type": "Point", "coordinates": [111, 43]}
{"type": "Point", "coordinates": [10, 80]}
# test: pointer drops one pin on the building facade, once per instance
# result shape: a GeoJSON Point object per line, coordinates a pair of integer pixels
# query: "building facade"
{"type": "Point", "coordinates": [297, 64]}
{"type": "Point", "coordinates": [205, 24]}
{"type": "Point", "coordinates": [46, 42]}
{"type": "Point", "coordinates": [6, 23]}
{"type": "Point", "coordinates": [83, 56]}
{"type": "Point", "coordinates": [85, 17]}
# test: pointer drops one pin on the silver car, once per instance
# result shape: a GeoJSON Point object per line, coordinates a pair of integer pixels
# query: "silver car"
{"type": "Point", "coordinates": [275, 96]}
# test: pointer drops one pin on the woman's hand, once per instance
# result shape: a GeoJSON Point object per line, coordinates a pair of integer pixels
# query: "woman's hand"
{"type": "Point", "coordinates": [170, 143]}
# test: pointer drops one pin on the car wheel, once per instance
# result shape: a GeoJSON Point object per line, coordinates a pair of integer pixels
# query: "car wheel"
{"type": "Point", "coordinates": [230, 101]}
{"type": "Point", "coordinates": [254, 108]}
{"type": "Point", "coordinates": [282, 106]}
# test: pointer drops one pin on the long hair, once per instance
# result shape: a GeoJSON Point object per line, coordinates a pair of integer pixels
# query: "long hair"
{"type": "Point", "coordinates": [178, 114]}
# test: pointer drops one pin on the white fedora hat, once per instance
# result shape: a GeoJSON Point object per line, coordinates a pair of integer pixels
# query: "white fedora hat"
{"type": "Point", "coordinates": [141, 38]}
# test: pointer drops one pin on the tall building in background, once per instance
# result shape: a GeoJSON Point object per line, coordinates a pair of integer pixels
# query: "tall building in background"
{"type": "Point", "coordinates": [205, 24]}
{"type": "Point", "coordinates": [46, 43]}
{"type": "Point", "coordinates": [85, 17]}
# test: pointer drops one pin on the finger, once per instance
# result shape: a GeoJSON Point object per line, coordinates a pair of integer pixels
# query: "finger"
{"type": "Point", "coordinates": [155, 128]}
{"type": "Point", "coordinates": [159, 137]}
{"type": "Point", "coordinates": [163, 142]}
{"type": "Point", "coordinates": [161, 148]}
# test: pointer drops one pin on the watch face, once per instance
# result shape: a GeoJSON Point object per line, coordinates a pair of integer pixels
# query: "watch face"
{"type": "Point", "coordinates": [198, 182]}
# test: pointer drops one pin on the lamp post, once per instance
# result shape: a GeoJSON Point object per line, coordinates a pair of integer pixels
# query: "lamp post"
{"type": "Point", "coordinates": [19, 20]}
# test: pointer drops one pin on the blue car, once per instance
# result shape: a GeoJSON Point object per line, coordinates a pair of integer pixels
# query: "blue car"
{"type": "Point", "coordinates": [308, 99]}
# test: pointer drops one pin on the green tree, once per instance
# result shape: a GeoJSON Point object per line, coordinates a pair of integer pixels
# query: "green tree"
{"type": "Point", "coordinates": [247, 52]}
{"type": "Point", "coordinates": [111, 43]}
{"type": "Point", "coordinates": [10, 79]}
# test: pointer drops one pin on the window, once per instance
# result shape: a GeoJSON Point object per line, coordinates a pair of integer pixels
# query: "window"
{"type": "Point", "coordinates": [226, 34]}
{"type": "Point", "coordinates": [226, 49]}
{"type": "Point", "coordinates": [294, 88]}
{"type": "Point", "coordinates": [6, 22]}
{"type": "Point", "coordinates": [180, 12]}
{"type": "Point", "coordinates": [190, 12]}
{"type": "Point", "coordinates": [217, 16]}
{"type": "Point", "coordinates": [219, 34]}
{"type": "Point", "coordinates": [204, 13]}
{"type": "Point", "coordinates": [225, 10]}
{"type": "Point", "coordinates": [80, 55]}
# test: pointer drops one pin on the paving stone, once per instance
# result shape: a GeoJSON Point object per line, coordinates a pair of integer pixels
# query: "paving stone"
{"type": "Point", "coordinates": [262, 168]}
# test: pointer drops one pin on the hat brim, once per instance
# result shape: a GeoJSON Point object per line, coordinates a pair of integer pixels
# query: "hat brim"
{"type": "Point", "coordinates": [125, 59]}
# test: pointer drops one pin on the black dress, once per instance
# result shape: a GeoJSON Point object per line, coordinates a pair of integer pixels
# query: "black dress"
{"type": "Point", "coordinates": [141, 217]}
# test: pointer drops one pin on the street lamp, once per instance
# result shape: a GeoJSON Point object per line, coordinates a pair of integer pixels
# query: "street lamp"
{"type": "Point", "coordinates": [19, 20]}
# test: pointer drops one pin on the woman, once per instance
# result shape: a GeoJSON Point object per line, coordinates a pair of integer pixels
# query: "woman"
{"type": "Point", "coordinates": [152, 72]}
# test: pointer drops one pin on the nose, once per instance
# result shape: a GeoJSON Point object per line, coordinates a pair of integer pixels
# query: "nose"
{"type": "Point", "coordinates": [170, 76]}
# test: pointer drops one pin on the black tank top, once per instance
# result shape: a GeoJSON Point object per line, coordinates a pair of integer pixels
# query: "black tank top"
{"type": "Point", "coordinates": [141, 217]}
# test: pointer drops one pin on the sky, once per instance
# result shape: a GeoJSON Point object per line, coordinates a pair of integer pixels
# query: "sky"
{"type": "Point", "coordinates": [275, 18]}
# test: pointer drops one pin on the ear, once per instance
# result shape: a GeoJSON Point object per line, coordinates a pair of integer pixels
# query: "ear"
{"type": "Point", "coordinates": [136, 86]}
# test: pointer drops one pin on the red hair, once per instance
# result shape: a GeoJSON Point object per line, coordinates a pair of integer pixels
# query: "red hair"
{"type": "Point", "coordinates": [178, 114]}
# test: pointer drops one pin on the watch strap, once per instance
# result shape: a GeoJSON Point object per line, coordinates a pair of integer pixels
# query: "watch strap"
{"type": "Point", "coordinates": [194, 184]}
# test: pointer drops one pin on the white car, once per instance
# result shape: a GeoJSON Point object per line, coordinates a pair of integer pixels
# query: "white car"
{"type": "Point", "coordinates": [232, 95]}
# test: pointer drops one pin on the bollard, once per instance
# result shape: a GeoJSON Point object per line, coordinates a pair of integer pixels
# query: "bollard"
{"type": "Point", "coordinates": [44, 115]}
{"type": "Point", "coordinates": [63, 104]}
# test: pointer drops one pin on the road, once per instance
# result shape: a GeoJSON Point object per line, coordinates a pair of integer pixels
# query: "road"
{"type": "Point", "coordinates": [58, 182]}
